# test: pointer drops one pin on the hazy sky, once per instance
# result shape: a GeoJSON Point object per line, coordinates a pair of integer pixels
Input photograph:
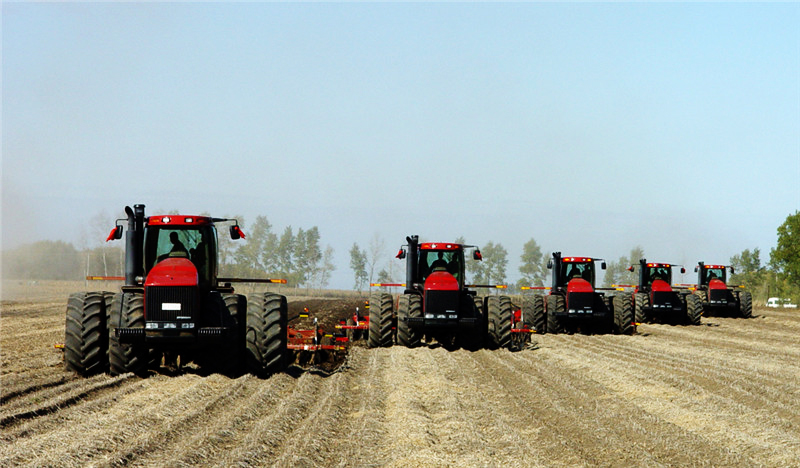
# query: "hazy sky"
{"type": "Point", "coordinates": [591, 128]}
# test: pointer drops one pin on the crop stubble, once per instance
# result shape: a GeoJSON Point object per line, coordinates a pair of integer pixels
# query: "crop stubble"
{"type": "Point", "coordinates": [726, 393]}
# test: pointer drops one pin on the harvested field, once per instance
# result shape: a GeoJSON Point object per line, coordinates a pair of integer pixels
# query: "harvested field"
{"type": "Point", "coordinates": [726, 393]}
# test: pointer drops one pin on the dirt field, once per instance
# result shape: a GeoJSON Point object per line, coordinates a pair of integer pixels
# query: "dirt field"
{"type": "Point", "coordinates": [726, 393]}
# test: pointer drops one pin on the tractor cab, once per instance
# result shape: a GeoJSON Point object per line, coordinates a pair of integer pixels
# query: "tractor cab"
{"type": "Point", "coordinates": [654, 276]}
{"type": "Point", "coordinates": [439, 260]}
{"type": "Point", "coordinates": [572, 272]}
{"type": "Point", "coordinates": [708, 273]}
{"type": "Point", "coordinates": [172, 241]}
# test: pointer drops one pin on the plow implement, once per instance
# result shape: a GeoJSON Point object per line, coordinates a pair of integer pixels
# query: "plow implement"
{"type": "Point", "coordinates": [311, 344]}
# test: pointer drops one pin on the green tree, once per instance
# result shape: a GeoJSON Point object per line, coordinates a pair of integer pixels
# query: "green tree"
{"type": "Point", "coordinates": [284, 255]}
{"type": "Point", "coordinates": [307, 254]}
{"type": "Point", "coordinates": [322, 274]}
{"type": "Point", "coordinates": [249, 257]}
{"type": "Point", "coordinates": [533, 267]}
{"type": "Point", "coordinates": [785, 257]}
{"type": "Point", "coordinates": [358, 263]}
{"type": "Point", "coordinates": [227, 247]}
{"type": "Point", "coordinates": [495, 263]}
{"type": "Point", "coordinates": [617, 272]}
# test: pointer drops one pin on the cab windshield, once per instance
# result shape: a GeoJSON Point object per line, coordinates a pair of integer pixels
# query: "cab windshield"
{"type": "Point", "coordinates": [450, 261]}
{"type": "Point", "coordinates": [197, 244]}
{"type": "Point", "coordinates": [715, 273]}
{"type": "Point", "coordinates": [573, 270]}
{"type": "Point", "coordinates": [661, 273]}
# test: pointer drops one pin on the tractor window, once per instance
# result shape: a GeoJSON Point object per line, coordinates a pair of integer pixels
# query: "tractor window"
{"type": "Point", "coordinates": [440, 260]}
{"type": "Point", "coordinates": [715, 273]}
{"type": "Point", "coordinates": [198, 245]}
{"type": "Point", "coordinates": [578, 270]}
{"type": "Point", "coordinates": [659, 273]}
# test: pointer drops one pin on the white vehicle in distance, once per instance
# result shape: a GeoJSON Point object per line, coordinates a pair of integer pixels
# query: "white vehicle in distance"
{"type": "Point", "coordinates": [778, 302]}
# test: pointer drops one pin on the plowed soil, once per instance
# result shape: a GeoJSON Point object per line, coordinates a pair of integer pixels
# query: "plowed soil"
{"type": "Point", "coordinates": [725, 393]}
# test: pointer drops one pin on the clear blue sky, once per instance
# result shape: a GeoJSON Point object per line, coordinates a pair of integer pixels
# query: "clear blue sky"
{"type": "Point", "coordinates": [591, 128]}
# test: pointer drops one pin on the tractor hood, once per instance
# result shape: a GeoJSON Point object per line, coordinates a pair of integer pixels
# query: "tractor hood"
{"type": "Point", "coordinates": [717, 284]}
{"type": "Point", "coordinates": [579, 285]}
{"type": "Point", "coordinates": [441, 281]}
{"type": "Point", "coordinates": [173, 272]}
{"type": "Point", "coordinates": [660, 286]}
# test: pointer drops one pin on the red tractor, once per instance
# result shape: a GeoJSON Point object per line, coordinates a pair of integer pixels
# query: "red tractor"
{"type": "Point", "coordinates": [173, 305]}
{"type": "Point", "coordinates": [716, 296]}
{"type": "Point", "coordinates": [655, 299]}
{"type": "Point", "coordinates": [437, 303]}
{"type": "Point", "coordinates": [574, 303]}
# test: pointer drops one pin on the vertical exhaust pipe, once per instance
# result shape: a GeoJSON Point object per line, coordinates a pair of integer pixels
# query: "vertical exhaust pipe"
{"type": "Point", "coordinates": [412, 260]}
{"type": "Point", "coordinates": [134, 244]}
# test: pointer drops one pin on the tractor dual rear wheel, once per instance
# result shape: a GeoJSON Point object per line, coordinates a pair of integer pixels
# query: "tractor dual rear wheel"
{"type": "Point", "coordinates": [640, 301]}
{"type": "Point", "coordinates": [86, 333]}
{"type": "Point", "coordinates": [694, 309]}
{"type": "Point", "coordinates": [623, 314]}
{"type": "Point", "coordinates": [556, 303]}
{"type": "Point", "coordinates": [745, 304]}
{"type": "Point", "coordinates": [409, 306]}
{"type": "Point", "coordinates": [533, 309]}
{"type": "Point", "coordinates": [266, 336]}
{"type": "Point", "coordinates": [127, 311]}
{"type": "Point", "coordinates": [380, 320]}
{"type": "Point", "coordinates": [499, 316]}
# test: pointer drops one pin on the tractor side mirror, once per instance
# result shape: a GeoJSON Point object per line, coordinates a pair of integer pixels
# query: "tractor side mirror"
{"type": "Point", "coordinates": [550, 264]}
{"type": "Point", "coordinates": [603, 266]}
{"type": "Point", "coordinates": [630, 268]}
{"type": "Point", "coordinates": [477, 255]}
{"type": "Point", "coordinates": [401, 254]}
{"type": "Point", "coordinates": [732, 272]}
{"type": "Point", "coordinates": [236, 233]}
{"type": "Point", "coordinates": [695, 269]}
{"type": "Point", "coordinates": [116, 233]}
{"type": "Point", "coordinates": [683, 270]}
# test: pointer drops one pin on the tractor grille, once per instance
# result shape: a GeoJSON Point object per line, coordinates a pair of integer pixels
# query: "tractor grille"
{"type": "Point", "coordinates": [719, 296]}
{"type": "Point", "coordinates": [442, 304]}
{"type": "Point", "coordinates": [665, 300]}
{"type": "Point", "coordinates": [168, 303]}
{"type": "Point", "coordinates": [580, 303]}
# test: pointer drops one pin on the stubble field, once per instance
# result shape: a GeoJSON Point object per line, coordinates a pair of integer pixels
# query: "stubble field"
{"type": "Point", "coordinates": [725, 393]}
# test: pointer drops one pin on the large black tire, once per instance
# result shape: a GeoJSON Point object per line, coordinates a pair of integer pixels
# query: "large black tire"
{"type": "Point", "coordinates": [499, 316]}
{"type": "Point", "coordinates": [86, 334]}
{"type": "Point", "coordinates": [266, 335]}
{"type": "Point", "coordinates": [380, 320]}
{"type": "Point", "coordinates": [127, 311]}
{"type": "Point", "coordinates": [555, 303]}
{"type": "Point", "coordinates": [409, 306]}
{"type": "Point", "coordinates": [745, 304]}
{"type": "Point", "coordinates": [640, 301]}
{"type": "Point", "coordinates": [623, 314]}
{"type": "Point", "coordinates": [233, 354]}
{"type": "Point", "coordinates": [533, 308]}
{"type": "Point", "coordinates": [694, 309]}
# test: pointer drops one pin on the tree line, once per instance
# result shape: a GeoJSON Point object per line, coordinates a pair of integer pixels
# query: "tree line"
{"type": "Point", "coordinates": [294, 255]}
